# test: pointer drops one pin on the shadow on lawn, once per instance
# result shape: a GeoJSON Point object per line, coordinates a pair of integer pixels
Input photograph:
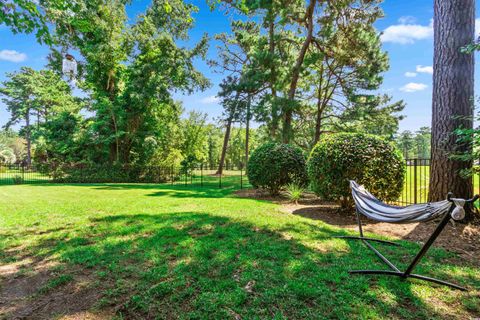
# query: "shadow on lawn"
{"type": "Point", "coordinates": [198, 265]}
{"type": "Point", "coordinates": [176, 190]}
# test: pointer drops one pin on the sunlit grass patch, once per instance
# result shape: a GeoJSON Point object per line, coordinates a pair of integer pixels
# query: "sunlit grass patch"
{"type": "Point", "coordinates": [159, 250]}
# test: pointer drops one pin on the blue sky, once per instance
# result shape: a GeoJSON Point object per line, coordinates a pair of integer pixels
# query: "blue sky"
{"type": "Point", "coordinates": [408, 38]}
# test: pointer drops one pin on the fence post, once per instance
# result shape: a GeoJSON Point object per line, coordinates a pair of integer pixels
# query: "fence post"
{"type": "Point", "coordinates": [23, 172]}
{"type": "Point", "coordinates": [415, 181]}
{"type": "Point", "coordinates": [201, 175]}
{"type": "Point", "coordinates": [220, 180]}
{"type": "Point", "coordinates": [171, 175]}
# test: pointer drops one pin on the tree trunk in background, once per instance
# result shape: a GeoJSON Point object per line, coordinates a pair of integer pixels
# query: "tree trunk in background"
{"type": "Point", "coordinates": [271, 50]}
{"type": "Point", "coordinates": [247, 132]}
{"type": "Point", "coordinates": [28, 137]}
{"type": "Point", "coordinates": [452, 101]}
{"type": "Point", "coordinates": [287, 121]}
{"type": "Point", "coordinates": [225, 145]}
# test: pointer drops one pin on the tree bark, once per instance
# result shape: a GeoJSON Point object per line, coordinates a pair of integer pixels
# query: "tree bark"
{"type": "Point", "coordinates": [453, 91]}
{"type": "Point", "coordinates": [28, 137]}
{"type": "Point", "coordinates": [287, 123]}
{"type": "Point", "coordinates": [271, 50]}
{"type": "Point", "coordinates": [226, 138]}
{"type": "Point", "coordinates": [247, 132]}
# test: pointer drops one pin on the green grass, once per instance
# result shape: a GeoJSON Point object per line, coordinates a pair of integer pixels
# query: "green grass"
{"type": "Point", "coordinates": [422, 176]}
{"type": "Point", "coordinates": [162, 251]}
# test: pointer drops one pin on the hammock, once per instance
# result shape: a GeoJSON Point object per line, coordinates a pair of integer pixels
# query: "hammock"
{"type": "Point", "coordinates": [374, 209]}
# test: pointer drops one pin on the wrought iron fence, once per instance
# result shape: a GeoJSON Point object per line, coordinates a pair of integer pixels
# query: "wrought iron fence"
{"type": "Point", "coordinates": [415, 189]}
{"type": "Point", "coordinates": [417, 178]}
{"type": "Point", "coordinates": [193, 175]}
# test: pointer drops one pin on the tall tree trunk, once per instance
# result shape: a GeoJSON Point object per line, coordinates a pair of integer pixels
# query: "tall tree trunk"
{"type": "Point", "coordinates": [247, 132]}
{"type": "Point", "coordinates": [452, 106]}
{"type": "Point", "coordinates": [318, 123]}
{"type": "Point", "coordinates": [271, 51]}
{"type": "Point", "coordinates": [287, 123]}
{"type": "Point", "coordinates": [226, 138]}
{"type": "Point", "coordinates": [28, 137]}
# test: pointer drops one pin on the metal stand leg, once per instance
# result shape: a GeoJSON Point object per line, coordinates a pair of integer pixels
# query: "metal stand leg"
{"type": "Point", "coordinates": [361, 237]}
{"type": "Point", "coordinates": [408, 272]}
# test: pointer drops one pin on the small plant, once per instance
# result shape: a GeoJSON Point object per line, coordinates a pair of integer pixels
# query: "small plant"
{"type": "Point", "coordinates": [55, 283]}
{"type": "Point", "coordinates": [17, 179]}
{"type": "Point", "coordinates": [294, 192]}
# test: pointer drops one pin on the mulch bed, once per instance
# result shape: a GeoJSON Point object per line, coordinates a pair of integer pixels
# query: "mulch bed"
{"type": "Point", "coordinates": [463, 239]}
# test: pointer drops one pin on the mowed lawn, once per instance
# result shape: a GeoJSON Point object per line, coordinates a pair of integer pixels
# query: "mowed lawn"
{"type": "Point", "coordinates": [139, 251]}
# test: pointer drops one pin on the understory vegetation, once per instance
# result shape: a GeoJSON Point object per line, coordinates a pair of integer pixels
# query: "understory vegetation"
{"type": "Point", "coordinates": [160, 251]}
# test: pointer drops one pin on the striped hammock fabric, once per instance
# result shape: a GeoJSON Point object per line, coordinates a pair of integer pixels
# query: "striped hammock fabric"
{"type": "Point", "coordinates": [374, 209]}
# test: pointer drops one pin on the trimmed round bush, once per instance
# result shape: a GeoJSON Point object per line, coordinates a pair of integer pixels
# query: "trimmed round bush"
{"type": "Point", "coordinates": [274, 165]}
{"type": "Point", "coordinates": [367, 159]}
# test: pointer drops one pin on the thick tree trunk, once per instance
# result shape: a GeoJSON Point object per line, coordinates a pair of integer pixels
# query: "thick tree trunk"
{"type": "Point", "coordinates": [452, 105]}
{"type": "Point", "coordinates": [288, 114]}
{"type": "Point", "coordinates": [226, 138]}
{"type": "Point", "coordinates": [28, 137]}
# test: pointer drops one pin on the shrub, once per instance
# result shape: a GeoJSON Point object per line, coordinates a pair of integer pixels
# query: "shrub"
{"type": "Point", "coordinates": [17, 179]}
{"type": "Point", "coordinates": [369, 160]}
{"type": "Point", "coordinates": [274, 165]}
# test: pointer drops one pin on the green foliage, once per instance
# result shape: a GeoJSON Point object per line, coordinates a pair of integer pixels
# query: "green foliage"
{"type": "Point", "coordinates": [369, 160]}
{"type": "Point", "coordinates": [17, 179]}
{"type": "Point", "coordinates": [469, 139]}
{"type": "Point", "coordinates": [273, 166]}
{"type": "Point", "coordinates": [294, 192]}
{"type": "Point", "coordinates": [56, 282]}
{"type": "Point", "coordinates": [414, 145]}
{"type": "Point", "coordinates": [116, 173]}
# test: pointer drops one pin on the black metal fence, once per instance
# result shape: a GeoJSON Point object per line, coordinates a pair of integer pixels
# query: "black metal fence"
{"type": "Point", "coordinates": [415, 189]}
{"type": "Point", "coordinates": [194, 175]}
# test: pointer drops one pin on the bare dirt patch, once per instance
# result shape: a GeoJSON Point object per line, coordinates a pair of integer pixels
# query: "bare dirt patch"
{"type": "Point", "coordinates": [21, 295]}
{"type": "Point", "coordinates": [460, 238]}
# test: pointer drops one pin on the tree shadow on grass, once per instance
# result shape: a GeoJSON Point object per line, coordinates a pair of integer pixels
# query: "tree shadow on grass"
{"type": "Point", "coordinates": [158, 190]}
{"type": "Point", "coordinates": [199, 265]}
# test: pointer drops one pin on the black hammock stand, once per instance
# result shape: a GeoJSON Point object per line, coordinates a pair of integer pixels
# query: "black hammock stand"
{"type": "Point", "coordinates": [368, 205]}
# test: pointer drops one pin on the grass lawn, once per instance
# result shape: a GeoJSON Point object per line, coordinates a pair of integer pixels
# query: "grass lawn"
{"type": "Point", "coordinates": [139, 251]}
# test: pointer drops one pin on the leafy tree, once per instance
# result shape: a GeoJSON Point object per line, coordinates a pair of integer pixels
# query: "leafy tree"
{"type": "Point", "coordinates": [422, 139]}
{"type": "Point", "coordinates": [406, 143]}
{"type": "Point", "coordinates": [12, 146]}
{"type": "Point", "coordinates": [27, 16]}
{"type": "Point", "coordinates": [28, 93]}
{"type": "Point", "coordinates": [118, 59]}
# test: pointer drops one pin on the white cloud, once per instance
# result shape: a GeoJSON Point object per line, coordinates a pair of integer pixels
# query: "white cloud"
{"type": "Point", "coordinates": [477, 28]}
{"type": "Point", "coordinates": [413, 87]}
{"type": "Point", "coordinates": [12, 56]}
{"type": "Point", "coordinates": [407, 32]}
{"type": "Point", "coordinates": [210, 100]}
{"type": "Point", "coordinates": [409, 74]}
{"type": "Point", "coordinates": [424, 69]}
{"type": "Point", "coordinates": [407, 20]}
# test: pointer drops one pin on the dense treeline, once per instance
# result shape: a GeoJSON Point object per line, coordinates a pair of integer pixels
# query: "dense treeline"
{"type": "Point", "coordinates": [416, 144]}
{"type": "Point", "coordinates": [296, 70]}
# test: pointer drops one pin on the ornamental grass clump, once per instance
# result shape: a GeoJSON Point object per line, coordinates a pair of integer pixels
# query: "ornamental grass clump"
{"type": "Point", "coordinates": [294, 192]}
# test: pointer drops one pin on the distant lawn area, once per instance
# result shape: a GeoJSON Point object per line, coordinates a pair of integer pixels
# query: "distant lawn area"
{"type": "Point", "coordinates": [140, 251]}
